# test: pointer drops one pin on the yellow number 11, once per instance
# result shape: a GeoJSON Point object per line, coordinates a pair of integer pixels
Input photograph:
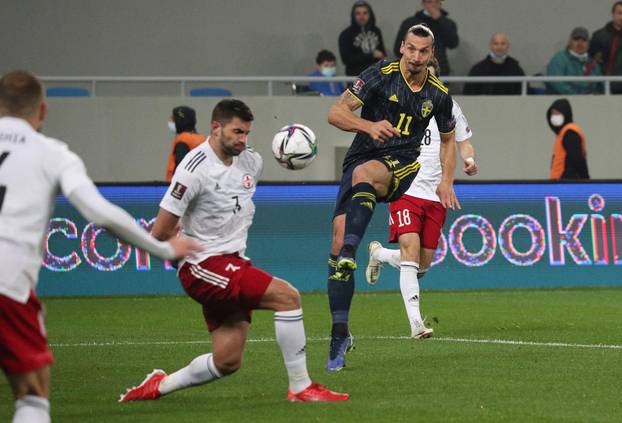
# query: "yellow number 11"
{"type": "Point", "coordinates": [406, 130]}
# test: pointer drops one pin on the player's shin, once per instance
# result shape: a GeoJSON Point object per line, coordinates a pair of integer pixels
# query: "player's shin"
{"type": "Point", "coordinates": [359, 215]}
{"type": "Point", "coordinates": [388, 255]}
{"type": "Point", "coordinates": [290, 335]}
{"type": "Point", "coordinates": [340, 293]}
{"type": "Point", "coordinates": [200, 371]}
{"type": "Point", "coordinates": [409, 286]}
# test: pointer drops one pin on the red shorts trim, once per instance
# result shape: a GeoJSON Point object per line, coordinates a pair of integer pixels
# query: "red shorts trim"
{"type": "Point", "coordinates": [417, 215]}
{"type": "Point", "coordinates": [23, 340]}
{"type": "Point", "coordinates": [224, 285]}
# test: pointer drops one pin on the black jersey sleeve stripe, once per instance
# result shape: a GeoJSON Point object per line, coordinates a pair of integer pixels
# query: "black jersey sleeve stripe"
{"type": "Point", "coordinates": [355, 96]}
{"type": "Point", "coordinates": [196, 157]}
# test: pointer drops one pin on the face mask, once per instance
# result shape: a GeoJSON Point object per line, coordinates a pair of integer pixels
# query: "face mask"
{"type": "Point", "coordinates": [497, 58]}
{"type": "Point", "coordinates": [557, 120]}
{"type": "Point", "coordinates": [328, 71]}
{"type": "Point", "coordinates": [171, 127]}
{"type": "Point", "coordinates": [582, 57]}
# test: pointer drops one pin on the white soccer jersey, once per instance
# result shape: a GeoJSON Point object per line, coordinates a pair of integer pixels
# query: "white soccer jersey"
{"type": "Point", "coordinates": [429, 176]}
{"type": "Point", "coordinates": [214, 200]}
{"type": "Point", "coordinates": [33, 170]}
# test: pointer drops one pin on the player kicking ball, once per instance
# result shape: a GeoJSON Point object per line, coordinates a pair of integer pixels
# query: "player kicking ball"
{"type": "Point", "coordinates": [416, 219]}
{"type": "Point", "coordinates": [211, 192]}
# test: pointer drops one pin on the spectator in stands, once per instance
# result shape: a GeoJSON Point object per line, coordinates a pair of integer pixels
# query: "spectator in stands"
{"type": "Point", "coordinates": [444, 29]}
{"type": "Point", "coordinates": [361, 44]}
{"type": "Point", "coordinates": [574, 61]}
{"type": "Point", "coordinates": [183, 124]}
{"type": "Point", "coordinates": [606, 44]}
{"type": "Point", "coordinates": [497, 63]}
{"type": "Point", "coordinates": [326, 65]}
{"type": "Point", "coordinates": [569, 156]}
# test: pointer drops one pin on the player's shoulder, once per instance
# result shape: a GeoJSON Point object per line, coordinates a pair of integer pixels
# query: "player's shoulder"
{"type": "Point", "coordinates": [251, 159]}
{"type": "Point", "coordinates": [436, 85]}
{"type": "Point", "coordinates": [388, 66]}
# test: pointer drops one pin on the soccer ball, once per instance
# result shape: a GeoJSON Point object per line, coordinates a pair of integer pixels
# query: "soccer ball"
{"type": "Point", "coordinates": [294, 146]}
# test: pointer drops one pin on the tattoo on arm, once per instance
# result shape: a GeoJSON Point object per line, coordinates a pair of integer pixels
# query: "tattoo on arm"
{"type": "Point", "coordinates": [348, 100]}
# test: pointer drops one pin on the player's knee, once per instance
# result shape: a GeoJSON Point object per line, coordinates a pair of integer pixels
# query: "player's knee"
{"type": "Point", "coordinates": [290, 299]}
{"type": "Point", "coordinates": [228, 365]}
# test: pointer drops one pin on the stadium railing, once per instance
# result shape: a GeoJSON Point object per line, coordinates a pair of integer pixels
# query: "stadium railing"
{"type": "Point", "coordinates": [270, 82]}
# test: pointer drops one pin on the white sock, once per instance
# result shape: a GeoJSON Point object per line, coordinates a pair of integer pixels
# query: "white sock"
{"type": "Point", "coordinates": [290, 335]}
{"type": "Point", "coordinates": [32, 409]}
{"type": "Point", "coordinates": [409, 285]}
{"type": "Point", "coordinates": [387, 255]}
{"type": "Point", "coordinates": [200, 371]}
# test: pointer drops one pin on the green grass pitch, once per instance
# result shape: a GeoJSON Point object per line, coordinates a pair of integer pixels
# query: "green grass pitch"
{"type": "Point", "coordinates": [564, 363]}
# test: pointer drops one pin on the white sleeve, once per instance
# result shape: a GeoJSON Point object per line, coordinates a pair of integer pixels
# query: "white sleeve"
{"type": "Point", "coordinates": [95, 208]}
{"type": "Point", "coordinates": [65, 166]}
{"type": "Point", "coordinates": [463, 131]}
{"type": "Point", "coordinates": [184, 187]}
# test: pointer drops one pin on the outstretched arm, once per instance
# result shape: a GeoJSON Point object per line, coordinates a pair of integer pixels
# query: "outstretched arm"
{"type": "Point", "coordinates": [98, 210]}
{"type": "Point", "coordinates": [341, 115]}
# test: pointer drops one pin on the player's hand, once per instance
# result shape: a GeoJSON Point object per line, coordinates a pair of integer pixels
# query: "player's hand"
{"type": "Point", "coordinates": [184, 246]}
{"type": "Point", "coordinates": [470, 167]}
{"type": "Point", "coordinates": [447, 195]}
{"type": "Point", "coordinates": [382, 131]}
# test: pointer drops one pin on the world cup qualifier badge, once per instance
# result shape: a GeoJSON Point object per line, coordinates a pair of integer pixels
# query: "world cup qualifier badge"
{"type": "Point", "coordinates": [358, 86]}
{"type": "Point", "coordinates": [178, 191]}
{"type": "Point", "coordinates": [248, 181]}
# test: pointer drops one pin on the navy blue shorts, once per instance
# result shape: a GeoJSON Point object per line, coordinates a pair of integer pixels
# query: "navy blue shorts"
{"type": "Point", "coordinates": [404, 172]}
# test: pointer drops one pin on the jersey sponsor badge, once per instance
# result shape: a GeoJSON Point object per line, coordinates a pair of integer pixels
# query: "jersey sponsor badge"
{"type": "Point", "coordinates": [248, 181]}
{"type": "Point", "coordinates": [426, 108]}
{"type": "Point", "coordinates": [358, 86]}
{"type": "Point", "coordinates": [178, 191]}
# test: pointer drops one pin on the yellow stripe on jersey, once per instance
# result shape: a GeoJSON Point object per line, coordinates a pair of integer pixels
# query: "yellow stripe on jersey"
{"type": "Point", "coordinates": [445, 133]}
{"type": "Point", "coordinates": [435, 81]}
{"type": "Point", "coordinates": [354, 95]}
{"type": "Point", "coordinates": [390, 68]}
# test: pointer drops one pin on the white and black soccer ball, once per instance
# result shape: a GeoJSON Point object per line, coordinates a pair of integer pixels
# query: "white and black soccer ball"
{"type": "Point", "coordinates": [294, 146]}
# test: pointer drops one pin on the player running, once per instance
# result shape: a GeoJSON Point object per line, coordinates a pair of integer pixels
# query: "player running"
{"type": "Point", "coordinates": [33, 170]}
{"type": "Point", "coordinates": [399, 97]}
{"type": "Point", "coordinates": [211, 192]}
{"type": "Point", "coordinates": [416, 219]}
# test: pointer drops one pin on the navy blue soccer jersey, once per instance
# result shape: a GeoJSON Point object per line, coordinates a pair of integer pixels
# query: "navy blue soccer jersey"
{"type": "Point", "coordinates": [385, 95]}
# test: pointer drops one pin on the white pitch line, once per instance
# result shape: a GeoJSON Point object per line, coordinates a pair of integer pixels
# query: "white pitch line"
{"type": "Point", "coordinates": [324, 339]}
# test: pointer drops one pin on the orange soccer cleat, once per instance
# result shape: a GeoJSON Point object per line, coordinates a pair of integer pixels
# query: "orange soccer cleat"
{"type": "Point", "coordinates": [147, 390]}
{"type": "Point", "coordinates": [317, 392]}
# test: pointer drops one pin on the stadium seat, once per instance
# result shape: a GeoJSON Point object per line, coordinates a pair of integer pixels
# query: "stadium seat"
{"type": "Point", "coordinates": [210, 92]}
{"type": "Point", "coordinates": [67, 92]}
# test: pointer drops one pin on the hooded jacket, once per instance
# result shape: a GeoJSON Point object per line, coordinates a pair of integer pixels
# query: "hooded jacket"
{"type": "Point", "coordinates": [569, 159]}
{"type": "Point", "coordinates": [186, 139]}
{"type": "Point", "coordinates": [445, 35]}
{"type": "Point", "coordinates": [357, 43]}
{"type": "Point", "coordinates": [607, 43]}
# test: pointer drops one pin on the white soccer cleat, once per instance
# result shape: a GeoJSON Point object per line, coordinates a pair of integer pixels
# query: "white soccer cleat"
{"type": "Point", "coordinates": [419, 331]}
{"type": "Point", "coordinates": [372, 272]}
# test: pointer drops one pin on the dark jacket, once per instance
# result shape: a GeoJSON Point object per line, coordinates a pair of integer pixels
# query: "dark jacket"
{"type": "Point", "coordinates": [607, 43]}
{"type": "Point", "coordinates": [357, 43]}
{"type": "Point", "coordinates": [487, 67]}
{"type": "Point", "coordinates": [575, 165]}
{"type": "Point", "coordinates": [445, 36]}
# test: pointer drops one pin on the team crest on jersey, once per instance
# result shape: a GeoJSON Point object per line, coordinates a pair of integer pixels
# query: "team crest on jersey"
{"type": "Point", "coordinates": [178, 191]}
{"type": "Point", "coordinates": [358, 86]}
{"type": "Point", "coordinates": [248, 181]}
{"type": "Point", "coordinates": [426, 108]}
